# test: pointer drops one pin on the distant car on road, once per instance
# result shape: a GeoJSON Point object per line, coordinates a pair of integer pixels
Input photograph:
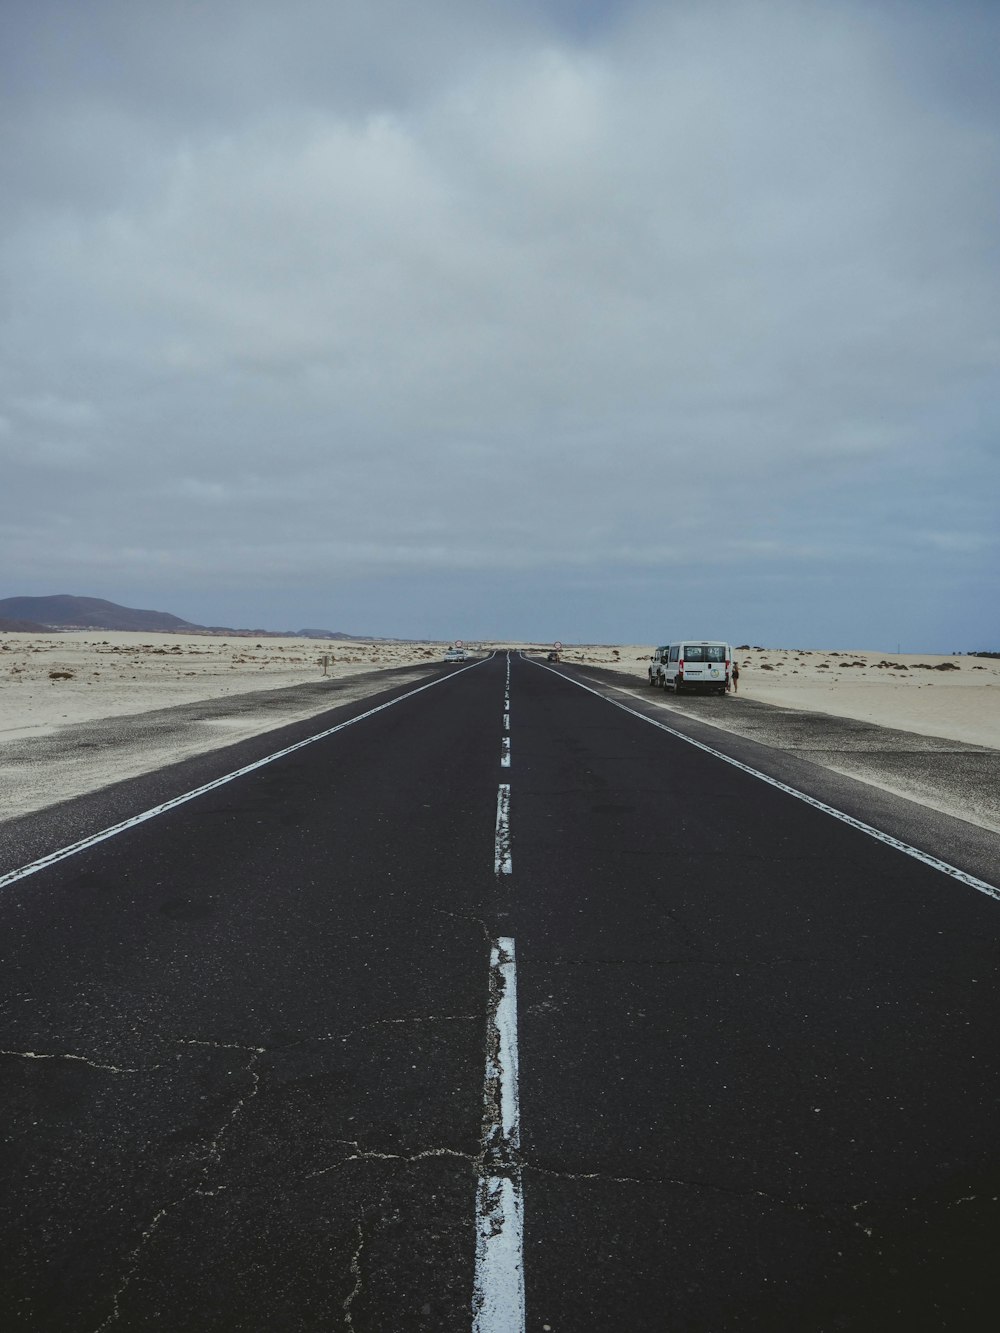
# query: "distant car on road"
{"type": "Point", "coordinates": [552, 657]}
{"type": "Point", "coordinates": [455, 655]}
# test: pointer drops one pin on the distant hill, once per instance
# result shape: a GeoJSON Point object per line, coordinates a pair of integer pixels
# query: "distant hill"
{"type": "Point", "coordinates": [35, 615]}
{"type": "Point", "coordinates": [20, 626]}
{"type": "Point", "coordinates": [326, 634]}
{"type": "Point", "coordinates": [65, 612]}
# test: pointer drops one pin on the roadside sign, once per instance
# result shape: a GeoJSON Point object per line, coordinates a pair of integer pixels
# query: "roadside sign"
{"type": "Point", "coordinates": [458, 643]}
{"type": "Point", "coordinates": [557, 645]}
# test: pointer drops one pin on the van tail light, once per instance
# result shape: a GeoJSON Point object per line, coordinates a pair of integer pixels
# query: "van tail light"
{"type": "Point", "coordinates": [680, 665]}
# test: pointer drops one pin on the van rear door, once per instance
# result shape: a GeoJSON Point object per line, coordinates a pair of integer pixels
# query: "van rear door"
{"type": "Point", "coordinates": [705, 663]}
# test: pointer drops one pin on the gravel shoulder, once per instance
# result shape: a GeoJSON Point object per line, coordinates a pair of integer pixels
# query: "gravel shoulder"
{"type": "Point", "coordinates": [83, 757]}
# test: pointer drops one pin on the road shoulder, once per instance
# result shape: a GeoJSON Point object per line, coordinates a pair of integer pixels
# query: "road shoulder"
{"type": "Point", "coordinates": [938, 795]}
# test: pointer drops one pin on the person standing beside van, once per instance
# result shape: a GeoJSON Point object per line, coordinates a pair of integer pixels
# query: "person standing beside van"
{"type": "Point", "coordinates": [734, 676]}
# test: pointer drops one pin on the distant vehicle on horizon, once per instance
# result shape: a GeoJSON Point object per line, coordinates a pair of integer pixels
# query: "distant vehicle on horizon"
{"type": "Point", "coordinates": [455, 655]}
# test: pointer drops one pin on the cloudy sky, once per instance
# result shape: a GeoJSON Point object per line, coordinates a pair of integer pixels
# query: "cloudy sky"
{"type": "Point", "coordinates": [600, 320]}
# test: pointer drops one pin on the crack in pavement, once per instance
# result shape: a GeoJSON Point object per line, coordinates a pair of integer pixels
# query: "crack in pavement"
{"type": "Point", "coordinates": [828, 1209]}
{"type": "Point", "coordinates": [218, 1045]}
{"type": "Point", "coordinates": [467, 917]}
{"type": "Point", "coordinates": [383, 1022]}
{"type": "Point", "coordinates": [707, 1185]}
{"type": "Point", "coordinates": [131, 1270]}
{"type": "Point", "coordinates": [214, 1156]}
{"type": "Point", "coordinates": [373, 1155]}
{"type": "Point", "coordinates": [355, 1270]}
{"type": "Point", "coordinates": [204, 1187]}
{"type": "Point", "coordinates": [81, 1059]}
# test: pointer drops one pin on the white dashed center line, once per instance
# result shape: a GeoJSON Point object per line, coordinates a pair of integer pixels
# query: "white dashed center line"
{"type": "Point", "coordinates": [498, 1285]}
{"type": "Point", "coordinates": [502, 859]}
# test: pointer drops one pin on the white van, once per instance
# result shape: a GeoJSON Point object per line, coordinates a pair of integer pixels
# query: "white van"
{"type": "Point", "coordinates": [692, 664]}
{"type": "Point", "coordinates": [657, 663]}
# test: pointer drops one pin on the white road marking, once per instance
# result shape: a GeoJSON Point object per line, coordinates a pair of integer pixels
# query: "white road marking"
{"type": "Point", "coordinates": [505, 752]}
{"type": "Point", "coordinates": [506, 721]}
{"type": "Point", "coordinates": [990, 890]}
{"type": "Point", "coordinates": [498, 1285]}
{"type": "Point", "coordinates": [502, 861]}
{"type": "Point", "coordinates": [43, 862]}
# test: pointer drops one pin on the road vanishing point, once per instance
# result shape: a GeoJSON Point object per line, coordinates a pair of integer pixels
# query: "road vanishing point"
{"type": "Point", "coordinates": [507, 1000]}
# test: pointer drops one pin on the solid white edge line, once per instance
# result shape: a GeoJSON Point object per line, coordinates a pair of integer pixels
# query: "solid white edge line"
{"type": "Point", "coordinates": [52, 858]}
{"type": "Point", "coordinates": [980, 885]}
{"type": "Point", "coordinates": [498, 1300]}
{"type": "Point", "coordinates": [502, 859]}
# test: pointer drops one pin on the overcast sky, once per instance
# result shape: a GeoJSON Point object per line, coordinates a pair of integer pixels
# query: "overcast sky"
{"type": "Point", "coordinates": [562, 319]}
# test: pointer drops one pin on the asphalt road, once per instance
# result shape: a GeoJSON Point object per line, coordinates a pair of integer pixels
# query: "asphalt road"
{"type": "Point", "coordinates": [247, 1042]}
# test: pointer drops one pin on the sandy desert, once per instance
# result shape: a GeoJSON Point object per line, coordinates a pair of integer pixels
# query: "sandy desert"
{"type": "Point", "coordinates": [956, 697]}
{"type": "Point", "coordinates": [49, 683]}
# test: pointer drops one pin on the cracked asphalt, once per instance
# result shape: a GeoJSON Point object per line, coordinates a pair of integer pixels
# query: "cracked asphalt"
{"type": "Point", "coordinates": [243, 1042]}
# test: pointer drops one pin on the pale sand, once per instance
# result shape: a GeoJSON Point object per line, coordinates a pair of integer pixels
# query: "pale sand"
{"type": "Point", "coordinates": [962, 705]}
{"type": "Point", "coordinates": [50, 682]}
{"type": "Point", "coordinates": [112, 674]}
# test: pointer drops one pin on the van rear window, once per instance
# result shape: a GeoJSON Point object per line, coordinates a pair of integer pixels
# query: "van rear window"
{"type": "Point", "coordinates": [698, 652]}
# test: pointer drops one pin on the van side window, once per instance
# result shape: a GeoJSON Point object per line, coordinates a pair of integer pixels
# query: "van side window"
{"type": "Point", "coordinates": [673, 652]}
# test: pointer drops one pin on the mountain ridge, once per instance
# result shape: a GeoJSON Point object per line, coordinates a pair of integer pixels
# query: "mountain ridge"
{"type": "Point", "coordinates": [64, 611]}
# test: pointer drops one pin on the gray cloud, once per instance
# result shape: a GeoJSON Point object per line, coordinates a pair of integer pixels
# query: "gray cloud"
{"type": "Point", "coordinates": [312, 304]}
